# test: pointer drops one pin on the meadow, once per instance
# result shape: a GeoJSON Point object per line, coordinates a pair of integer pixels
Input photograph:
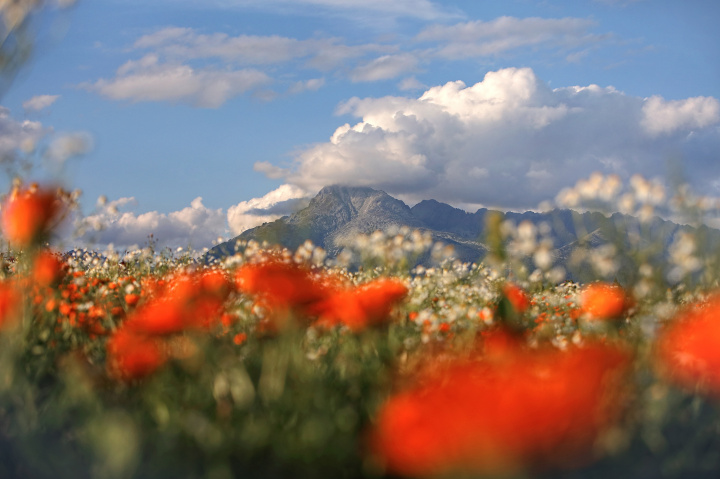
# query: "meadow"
{"type": "Point", "coordinates": [277, 363]}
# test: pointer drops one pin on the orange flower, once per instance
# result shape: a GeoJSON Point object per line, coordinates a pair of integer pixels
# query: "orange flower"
{"type": "Point", "coordinates": [526, 410]}
{"type": "Point", "coordinates": [364, 306]}
{"type": "Point", "coordinates": [191, 301]}
{"type": "Point", "coordinates": [29, 214]}
{"type": "Point", "coordinates": [282, 285]}
{"type": "Point", "coordinates": [9, 303]}
{"type": "Point", "coordinates": [133, 356]}
{"type": "Point", "coordinates": [603, 301]}
{"type": "Point", "coordinates": [160, 317]}
{"type": "Point", "coordinates": [687, 349]}
{"type": "Point", "coordinates": [48, 269]}
{"type": "Point", "coordinates": [131, 299]}
{"type": "Point", "coordinates": [517, 296]}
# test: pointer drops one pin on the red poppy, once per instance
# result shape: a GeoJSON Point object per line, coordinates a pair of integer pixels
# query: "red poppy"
{"type": "Point", "coordinates": [521, 411]}
{"type": "Point", "coordinates": [48, 269]}
{"type": "Point", "coordinates": [687, 349]}
{"type": "Point", "coordinates": [190, 302]}
{"type": "Point", "coordinates": [9, 303]}
{"type": "Point", "coordinates": [517, 296]}
{"type": "Point", "coordinates": [360, 307]}
{"type": "Point", "coordinates": [134, 356]}
{"type": "Point", "coordinates": [603, 301]}
{"type": "Point", "coordinates": [159, 317]}
{"type": "Point", "coordinates": [29, 214]}
{"type": "Point", "coordinates": [282, 285]}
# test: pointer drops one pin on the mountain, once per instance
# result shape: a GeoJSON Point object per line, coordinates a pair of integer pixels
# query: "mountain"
{"type": "Point", "coordinates": [339, 213]}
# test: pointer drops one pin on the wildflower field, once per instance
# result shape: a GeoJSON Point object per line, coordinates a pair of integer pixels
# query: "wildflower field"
{"type": "Point", "coordinates": [277, 363]}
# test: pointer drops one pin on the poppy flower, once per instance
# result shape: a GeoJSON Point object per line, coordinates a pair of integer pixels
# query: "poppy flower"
{"type": "Point", "coordinates": [603, 301]}
{"type": "Point", "coordinates": [360, 307]}
{"type": "Point", "coordinates": [159, 317]}
{"type": "Point", "coordinates": [687, 348]}
{"type": "Point", "coordinates": [9, 303]}
{"type": "Point", "coordinates": [134, 356]}
{"type": "Point", "coordinates": [29, 214]}
{"type": "Point", "coordinates": [282, 285]}
{"type": "Point", "coordinates": [48, 269]}
{"type": "Point", "coordinates": [522, 411]}
{"type": "Point", "coordinates": [187, 301]}
{"type": "Point", "coordinates": [517, 296]}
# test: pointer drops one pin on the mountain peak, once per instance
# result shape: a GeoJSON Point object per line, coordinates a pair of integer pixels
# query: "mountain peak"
{"type": "Point", "coordinates": [344, 190]}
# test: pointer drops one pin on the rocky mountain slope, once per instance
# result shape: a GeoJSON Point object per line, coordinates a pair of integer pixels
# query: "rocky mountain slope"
{"type": "Point", "coordinates": [339, 213]}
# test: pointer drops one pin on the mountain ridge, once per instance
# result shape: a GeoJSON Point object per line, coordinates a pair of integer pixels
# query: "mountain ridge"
{"type": "Point", "coordinates": [339, 213]}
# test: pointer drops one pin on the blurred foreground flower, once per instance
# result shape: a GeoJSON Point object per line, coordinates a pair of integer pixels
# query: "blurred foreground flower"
{"type": "Point", "coordinates": [48, 269]}
{"type": "Point", "coordinates": [357, 308]}
{"type": "Point", "coordinates": [517, 296]}
{"type": "Point", "coordinates": [688, 349]}
{"type": "Point", "coordinates": [189, 301]}
{"type": "Point", "coordinates": [10, 301]}
{"type": "Point", "coordinates": [288, 290]}
{"type": "Point", "coordinates": [512, 412]}
{"type": "Point", "coordinates": [134, 356]}
{"type": "Point", "coordinates": [603, 301]}
{"type": "Point", "coordinates": [284, 289]}
{"type": "Point", "coordinates": [30, 214]}
{"type": "Point", "coordinates": [186, 302]}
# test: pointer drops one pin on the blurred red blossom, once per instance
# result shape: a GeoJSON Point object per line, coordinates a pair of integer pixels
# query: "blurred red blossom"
{"type": "Point", "coordinates": [362, 306]}
{"type": "Point", "coordinates": [687, 348]}
{"type": "Point", "coordinates": [603, 301]}
{"type": "Point", "coordinates": [29, 214]}
{"type": "Point", "coordinates": [10, 302]}
{"type": "Point", "coordinates": [517, 296]}
{"type": "Point", "coordinates": [520, 409]}
{"type": "Point", "coordinates": [134, 356]}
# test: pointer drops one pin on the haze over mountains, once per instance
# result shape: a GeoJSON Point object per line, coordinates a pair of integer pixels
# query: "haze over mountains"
{"type": "Point", "coordinates": [338, 214]}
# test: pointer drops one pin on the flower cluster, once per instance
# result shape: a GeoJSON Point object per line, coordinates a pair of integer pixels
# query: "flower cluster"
{"type": "Point", "coordinates": [514, 410]}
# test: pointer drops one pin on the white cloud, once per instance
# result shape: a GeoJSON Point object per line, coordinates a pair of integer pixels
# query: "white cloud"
{"type": "Point", "coordinates": [187, 44]}
{"type": "Point", "coordinates": [384, 68]}
{"type": "Point", "coordinates": [149, 80]}
{"type": "Point", "coordinates": [39, 102]}
{"type": "Point", "coordinates": [182, 64]}
{"type": "Point", "coordinates": [18, 135]}
{"type": "Point", "coordinates": [665, 117]}
{"type": "Point", "coordinates": [195, 226]}
{"type": "Point", "coordinates": [479, 38]}
{"type": "Point", "coordinates": [521, 140]}
{"type": "Point", "coordinates": [67, 146]}
{"type": "Point", "coordinates": [411, 83]}
{"type": "Point", "coordinates": [312, 84]}
{"type": "Point", "coordinates": [377, 9]}
{"type": "Point", "coordinates": [282, 201]}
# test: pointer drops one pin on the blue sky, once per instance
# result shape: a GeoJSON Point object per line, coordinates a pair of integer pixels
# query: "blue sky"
{"type": "Point", "coordinates": [198, 119]}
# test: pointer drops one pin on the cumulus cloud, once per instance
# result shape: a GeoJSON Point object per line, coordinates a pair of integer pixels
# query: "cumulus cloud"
{"type": "Point", "coordinates": [39, 102]}
{"type": "Point", "coordinates": [508, 141]}
{"type": "Point", "coordinates": [282, 201]}
{"type": "Point", "coordinates": [666, 117]}
{"type": "Point", "coordinates": [195, 226]}
{"type": "Point", "coordinates": [148, 79]}
{"type": "Point", "coordinates": [480, 38]}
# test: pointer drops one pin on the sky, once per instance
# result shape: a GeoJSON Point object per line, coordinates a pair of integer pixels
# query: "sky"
{"type": "Point", "coordinates": [199, 119]}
